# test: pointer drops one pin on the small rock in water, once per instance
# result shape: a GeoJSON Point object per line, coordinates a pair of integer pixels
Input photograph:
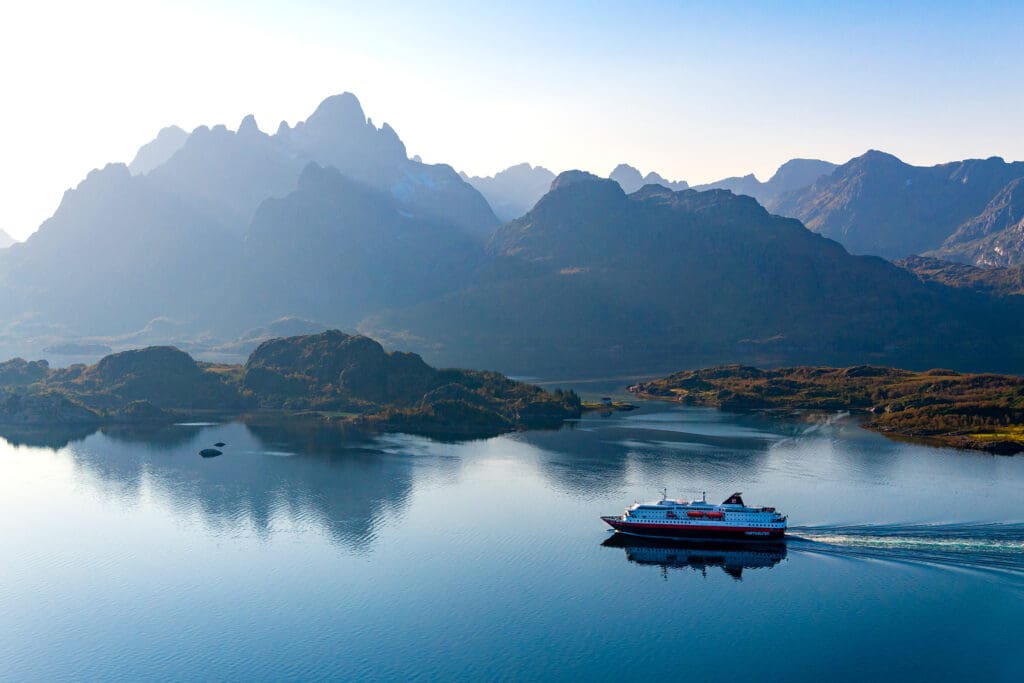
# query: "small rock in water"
{"type": "Point", "coordinates": [220, 444]}
{"type": "Point", "coordinates": [210, 453]}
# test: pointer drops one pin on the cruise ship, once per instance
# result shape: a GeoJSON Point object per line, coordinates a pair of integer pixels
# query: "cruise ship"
{"type": "Point", "coordinates": [700, 519]}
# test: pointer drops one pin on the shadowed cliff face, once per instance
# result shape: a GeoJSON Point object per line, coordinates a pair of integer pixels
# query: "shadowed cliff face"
{"type": "Point", "coordinates": [595, 281]}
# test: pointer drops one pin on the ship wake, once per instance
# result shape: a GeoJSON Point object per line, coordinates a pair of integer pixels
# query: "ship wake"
{"type": "Point", "coordinates": [987, 547]}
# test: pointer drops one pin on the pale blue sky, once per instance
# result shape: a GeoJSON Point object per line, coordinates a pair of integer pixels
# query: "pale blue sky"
{"type": "Point", "coordinates": [695, 91]}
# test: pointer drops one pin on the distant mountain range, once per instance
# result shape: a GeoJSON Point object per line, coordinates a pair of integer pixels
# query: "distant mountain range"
{"type": "Point", "coordinates": [792, 175]}
{"type": "Point", "coordinates": [5, 240]}
{"type": "Point", "coordinates": [970, 211]}
{"type": "Point", "coordinates": [218, 239]}
{"type": "Point", "coordinates": [514, 191]}
{"type": "Point", "coordinates": [593, 280]}
{"type": "Point", "coordinates": [195, 238]}
{"type": "Point", "coordinates": [631, 180]}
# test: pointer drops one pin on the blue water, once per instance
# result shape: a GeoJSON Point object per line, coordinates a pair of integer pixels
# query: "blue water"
{"type": "Point", "coordinates": [298, 554]}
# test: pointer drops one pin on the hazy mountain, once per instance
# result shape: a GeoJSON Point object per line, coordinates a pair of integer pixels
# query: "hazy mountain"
{"type": "Point", "coordinates": [119, 251]}
{"type": "Point", "coordinates": [792, 175]}
{"type": "Point", "coordinates": [631, 180]}
{"type": "Point", "coordinates": [123, 250]}
{"type": "Point", "coordinates": [350, 250]}
{"type": "Point", "coordinates": [514, 191]}
{"type": "Point", "coordinates": [157, 151]}
{"type": "Point", "coordinates": [338, 134]}
{"type": "Point", "coordinates": [5, 240]}
{"type": "Point", "coordinates": [594, 281]}
{"type": "Point", "coordinates": [995, 237]}
{"type": "Point", "coordinates": [229, 173]}
{"type": "Point", "coordinates": [876, 204]}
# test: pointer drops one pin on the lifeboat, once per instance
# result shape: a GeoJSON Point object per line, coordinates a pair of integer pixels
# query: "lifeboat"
{"type": "Point", "coordinates": [716, 515]}
{"type": "Point", "coordinates": [694, 513]}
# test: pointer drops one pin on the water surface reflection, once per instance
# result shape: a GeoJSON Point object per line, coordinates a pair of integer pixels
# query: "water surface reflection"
{"type": "Point", "coordinates": [732, 557]}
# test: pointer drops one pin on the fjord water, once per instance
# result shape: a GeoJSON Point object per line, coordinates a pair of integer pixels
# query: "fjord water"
{"type": "Point", "coordinates": [300, 554]}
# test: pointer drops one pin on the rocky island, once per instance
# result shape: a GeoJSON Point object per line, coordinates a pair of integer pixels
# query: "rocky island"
{"type": "Point", "coordinates": [962, 410]}
{"type": "Point", "coordinates": [332, 377]}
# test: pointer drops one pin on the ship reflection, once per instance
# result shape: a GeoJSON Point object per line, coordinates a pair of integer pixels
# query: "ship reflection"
{"type": "Point", "coordinates": [732, 557]}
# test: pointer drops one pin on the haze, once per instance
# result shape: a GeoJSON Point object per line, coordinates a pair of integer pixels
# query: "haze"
{"type": "Point", "coordinates": [695, 92]}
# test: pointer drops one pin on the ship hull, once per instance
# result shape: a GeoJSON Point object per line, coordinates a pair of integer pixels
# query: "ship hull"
{"type": "Point", "coordinates": [694, 531]}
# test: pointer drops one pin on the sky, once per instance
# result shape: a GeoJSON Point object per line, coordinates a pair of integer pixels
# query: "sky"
{"type": "Point", "coordinates": [693, 90]}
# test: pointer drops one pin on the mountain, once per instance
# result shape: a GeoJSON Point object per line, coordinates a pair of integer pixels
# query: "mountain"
{"type": "Point", "coordinates": [792, 175]}
{"type": "Point", "coordinates": [157, 151]}
{"type": "Point", "coordinates": [350, 250]}
{"type": "Point", "coordinates": [338, 134]}
{"type": "Point", "coordinates": [514, 191]}
{"type": "Point", "coordinates": [877, 204]}
{"type": "Point", "coordinates": [600, 283]}
{"type": "Point", "coordinates": [229, 174]}
{"type": "Point", "coordinates": [995, 237]}
{"type": "Point", "coordinates": [119, 251]}
{"type": "Point", "coordinates": [124, 250]}
{"type": "Point", "coordinates": [5, 240]}
{"type": "Point", "coordinates": [630, 179]}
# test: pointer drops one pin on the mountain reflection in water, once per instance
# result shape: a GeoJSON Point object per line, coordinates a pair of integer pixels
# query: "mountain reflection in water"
{"type": "Point", "coordinates": [732, 557]}
{"type": "Point", "coordinates": [342, 485]}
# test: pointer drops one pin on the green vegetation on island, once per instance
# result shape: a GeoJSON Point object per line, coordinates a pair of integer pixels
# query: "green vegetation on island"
{"type": "Point", "coordinates": [348, 380]}
{"type": "Point", "coordinates": [978, 411]}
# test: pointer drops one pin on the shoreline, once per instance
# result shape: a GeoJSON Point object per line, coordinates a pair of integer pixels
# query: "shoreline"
{"type": "Point", "coordinates": [979, 412]}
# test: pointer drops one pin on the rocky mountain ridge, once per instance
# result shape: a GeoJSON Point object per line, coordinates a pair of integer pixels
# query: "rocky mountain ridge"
{"type": "Point", "coordinates": [877, 204]}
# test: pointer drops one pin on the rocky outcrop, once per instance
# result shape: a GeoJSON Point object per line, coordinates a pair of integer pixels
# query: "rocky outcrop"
{"type": "Point", "coordinates": [48, 408]}
{"type": "Point", "coordinates": [18, 372]}
{"type": "Point", "coordinates": [350, 367]}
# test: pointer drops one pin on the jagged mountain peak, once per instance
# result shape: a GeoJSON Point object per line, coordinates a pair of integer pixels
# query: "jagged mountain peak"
{"type": "Point", "coordinates": [248, 126]}
{"type": "Point", "coordinates": [339, 133]}
{"type": "Point", "coordinates": [630, 179]}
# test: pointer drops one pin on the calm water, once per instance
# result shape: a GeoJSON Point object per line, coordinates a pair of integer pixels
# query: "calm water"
{"type": "Point", "coordinates": [295, 555]}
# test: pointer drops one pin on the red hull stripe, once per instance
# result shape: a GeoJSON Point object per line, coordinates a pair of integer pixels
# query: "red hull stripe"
{"type": "Point", "coordinates": [691, 527]}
